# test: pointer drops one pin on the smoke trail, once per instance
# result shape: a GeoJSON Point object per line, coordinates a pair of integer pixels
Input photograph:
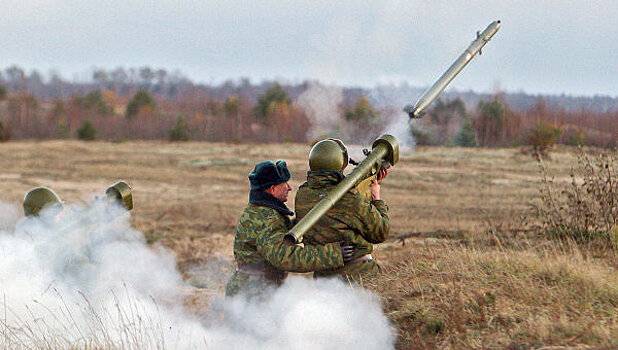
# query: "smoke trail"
{"type": "Point", "coordinates": [321, 104]}
{"type": "Point", "coordinates": [392, 99]}
{"type": "Point", "coordinates": [82, 277]}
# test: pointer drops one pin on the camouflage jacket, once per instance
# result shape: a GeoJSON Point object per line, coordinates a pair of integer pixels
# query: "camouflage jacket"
{"type": "Point", "coordinates": [259, 243]}
{"type": "Point", "coordinates": [352, 219]}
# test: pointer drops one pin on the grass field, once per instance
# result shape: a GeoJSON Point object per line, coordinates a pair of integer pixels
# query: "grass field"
{"type": "Point", "coordinates": [460, 270]}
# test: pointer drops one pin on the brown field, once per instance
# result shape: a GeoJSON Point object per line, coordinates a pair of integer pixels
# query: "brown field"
{"type": "Point", "coordinates": [467, 276]}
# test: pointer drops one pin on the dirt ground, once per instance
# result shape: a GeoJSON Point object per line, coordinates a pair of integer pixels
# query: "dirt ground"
{"type": "Point", "coordinates": [448, 285]}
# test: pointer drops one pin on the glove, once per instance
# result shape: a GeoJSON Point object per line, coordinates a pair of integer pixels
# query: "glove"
{"type": "Point", "coordinates": [347, 251]}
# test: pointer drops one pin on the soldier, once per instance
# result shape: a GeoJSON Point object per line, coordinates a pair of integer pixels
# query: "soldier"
{"type": "Point", "coordinates": [40, 198]}
{"type": "Point", "coordinates": [262, 256]}
{"type": "Point", "coordinates": [78, 262]}
{"type": "Point", "coordinates": [121, 193]}
{"type": "Point", "coordinates": [353, 218]}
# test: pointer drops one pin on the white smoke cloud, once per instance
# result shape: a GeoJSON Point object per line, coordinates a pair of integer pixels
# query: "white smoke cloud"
{"type": "Point", "coordinates": [398, 125]}
{"type": "Point", "coordinates": [9, 214]}
{"type": "Point", "coordinates": [305, 314]}
{"type": "Point", "coordinates": [83, 277]}
{"type": "Point", "coordinates": [321, 104]}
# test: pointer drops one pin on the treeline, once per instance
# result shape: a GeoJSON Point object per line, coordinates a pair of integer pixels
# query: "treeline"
{"type": "Point", "coordinates": [494, 124]}
{"type": "Point", "coordinates": [154, 104]}
{"type": "Point", "coordinates": [106, 115]}
{"type": "Point", "coordinates": [173, 84]}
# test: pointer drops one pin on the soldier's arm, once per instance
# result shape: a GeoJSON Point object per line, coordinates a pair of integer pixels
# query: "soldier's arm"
{"type": "Point", "coordinates": [295, 258]}
{"type": "Point", "coordinates": [373, 219]}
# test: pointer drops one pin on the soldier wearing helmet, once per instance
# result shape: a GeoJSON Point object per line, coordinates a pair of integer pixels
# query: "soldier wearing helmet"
{"type": "Point", "coordinates": [39, 199]}
{"type": "Point", "coordinates": [77, 257]}
{"type": "Point", "coordinates": [353, 218]}
{"type": "Point", "coordinates": [262, 256]}
{"type": "Point", "coordinates": [120, 193]}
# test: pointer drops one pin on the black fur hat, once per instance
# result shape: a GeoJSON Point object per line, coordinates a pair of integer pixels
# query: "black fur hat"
{"type": "Point", "coordinates": [268, 173]}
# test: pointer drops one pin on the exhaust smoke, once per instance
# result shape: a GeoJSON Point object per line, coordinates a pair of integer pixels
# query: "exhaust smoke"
{"type": "Point", "coordinates": [323, 106]}
{"type": "Point", "coordinates": [83, 277]}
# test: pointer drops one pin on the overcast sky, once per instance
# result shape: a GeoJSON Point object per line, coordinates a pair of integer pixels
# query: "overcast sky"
{"type": "Point", "coordinates": [543, 47]}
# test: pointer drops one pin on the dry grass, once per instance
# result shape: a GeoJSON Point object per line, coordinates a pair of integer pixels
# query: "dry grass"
{"type": "Point", "coordinates": [467, 278]}
{"type": "Point", "coordinates": [449, 295]}
{"type": "Point", "coordinates": [586, 209]}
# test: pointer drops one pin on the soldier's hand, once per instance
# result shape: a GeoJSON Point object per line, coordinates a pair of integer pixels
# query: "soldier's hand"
{"type": "Point", "coordinates": [347, 251]}
{"type": "Point", "coordinates": [382, 173]}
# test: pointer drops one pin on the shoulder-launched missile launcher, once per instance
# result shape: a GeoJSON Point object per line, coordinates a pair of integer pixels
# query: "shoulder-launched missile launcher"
{"type": "Point", "coordinates": [385, 150]}
{"type": "Point", "coordinates": [384, 153]}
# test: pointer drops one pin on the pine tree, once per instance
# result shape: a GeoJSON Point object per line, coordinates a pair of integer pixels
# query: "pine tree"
{"type": "Point", "coordinates": [273, 97]}
{"type": "Point", "coordinates": [466, 136]}
{"type": "Point", "coordinates": [180, 131]}
{"type": "Point", "coordinates": [86, 132]}
{"type": "Point", "coordinates": [141, 100]}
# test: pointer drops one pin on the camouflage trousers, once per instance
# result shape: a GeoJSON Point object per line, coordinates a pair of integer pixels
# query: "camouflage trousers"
{"type": "Point", "coordinates": [355, 272]}
{"type": "Point", "coordinates": [249, 285]}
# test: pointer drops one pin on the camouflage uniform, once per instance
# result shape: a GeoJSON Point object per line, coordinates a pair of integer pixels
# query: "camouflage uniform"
{"type": "Point", "coordinates": [263, 257]}
{"type": "Point", "coordinates": [352, 219]}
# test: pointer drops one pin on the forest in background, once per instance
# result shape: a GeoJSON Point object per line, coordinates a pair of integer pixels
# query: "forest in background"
{"type": "Point", "coordinates": [144, 103]}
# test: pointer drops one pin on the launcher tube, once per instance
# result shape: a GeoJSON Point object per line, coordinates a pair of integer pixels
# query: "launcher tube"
{"type": "Point", "coordinates": [385, 148]}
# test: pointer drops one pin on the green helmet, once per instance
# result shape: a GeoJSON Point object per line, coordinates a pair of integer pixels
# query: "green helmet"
{"type": "Point", "coordinates": [121, 193]}
{"type": "Point", "coordinates": [38, 199]}
{"type": "Point", "coordinates": [329, 154]}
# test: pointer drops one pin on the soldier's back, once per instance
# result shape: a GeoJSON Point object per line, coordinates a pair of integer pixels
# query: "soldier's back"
{"type": "Point", "coordinates": [341, 223]}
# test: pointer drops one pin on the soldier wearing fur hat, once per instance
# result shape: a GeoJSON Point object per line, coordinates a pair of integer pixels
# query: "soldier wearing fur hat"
{"type": "Point", "coordinates": [262, 256]}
